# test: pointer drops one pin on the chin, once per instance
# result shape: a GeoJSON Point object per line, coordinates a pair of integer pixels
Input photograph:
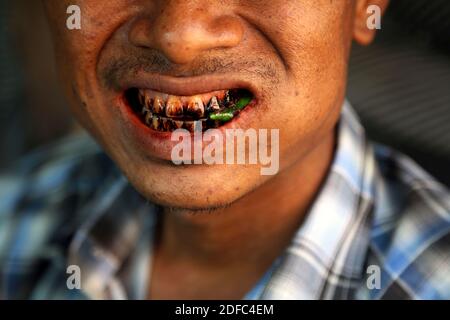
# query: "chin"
{"type": "Point", "coordinates": [195, 188]}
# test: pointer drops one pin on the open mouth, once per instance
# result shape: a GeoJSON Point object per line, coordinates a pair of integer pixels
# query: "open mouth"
{"type": "Point", "coordinates": [166, 113]}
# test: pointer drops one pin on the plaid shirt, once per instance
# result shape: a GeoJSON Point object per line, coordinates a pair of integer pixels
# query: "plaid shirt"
{"type": "Point", "coordinates": [378, 229]}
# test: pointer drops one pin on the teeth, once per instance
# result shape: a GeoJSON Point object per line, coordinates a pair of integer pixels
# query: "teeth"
{"type": "Point", "coordinates": [189, 125]}
{"type": "Point", "coordinates": [163, 112]}
{"type": "Point", "coordinates": [174, 107]}
{"type": "Point", "coordinates": [155, 122]}
{"type": "Point", "coordinates": [158, 105]}
{"type": "Point", "coordinates": [167, 124]}
{"type": "Point", "coordinates": [195, 107]}
{"type": "Point", "coordinates": [221, 96]}
{"type": "Point", "coordinates": [178, 124]}
{"type": "Point", "coordinates": [227, 97]}
{"type": "Point", "coordinates": [145, 110]}
{"type": "Point", "coordinates": [194, 125]}
{"type": "Point", "coordinates": [214, 104]}
{"type": "Point", "coordinates": [148, 117]}
{"type": "Point", "coordinates": [148, 102]}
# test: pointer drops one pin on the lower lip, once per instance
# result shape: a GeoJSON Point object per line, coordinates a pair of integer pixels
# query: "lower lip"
{"type": "Point", "coordinates": [157, 144]}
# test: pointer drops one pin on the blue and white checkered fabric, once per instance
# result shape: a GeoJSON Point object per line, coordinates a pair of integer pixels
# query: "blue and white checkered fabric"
{"type": "Point", "coordinates": [377, 215]}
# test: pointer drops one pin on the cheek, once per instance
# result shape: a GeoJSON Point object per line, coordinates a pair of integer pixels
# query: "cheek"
{"type": "Point", "coordinates": [78, 51]}
{"type": "Point", "coordinates": [316, 54]}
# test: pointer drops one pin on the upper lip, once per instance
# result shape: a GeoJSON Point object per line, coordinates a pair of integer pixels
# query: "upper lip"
{"type": "Point", "coordinates": [186, 86]}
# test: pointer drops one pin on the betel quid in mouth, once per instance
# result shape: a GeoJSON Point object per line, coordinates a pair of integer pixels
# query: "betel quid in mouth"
{"type": "Point", "coordinates": [166, 113]}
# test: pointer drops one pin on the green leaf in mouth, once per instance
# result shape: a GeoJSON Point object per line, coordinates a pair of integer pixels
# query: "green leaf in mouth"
{"type": "Point", "coordinates": [227, 114]}
{"type": "Point", "coordinates": [243, 102]}
{"type": "Point", "coordinates": [222, 116]}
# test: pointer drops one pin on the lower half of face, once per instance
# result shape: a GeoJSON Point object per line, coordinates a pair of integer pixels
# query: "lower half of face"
{"type": "Point", "coordinates": [136, 75]}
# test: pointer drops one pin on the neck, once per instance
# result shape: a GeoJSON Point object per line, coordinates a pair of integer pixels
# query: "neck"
{"type": "Point", "coordinates": [251, 231]}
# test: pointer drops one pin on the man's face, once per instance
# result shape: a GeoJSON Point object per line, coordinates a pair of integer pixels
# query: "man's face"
{"type": "Point", "coordinates": [291, 55]}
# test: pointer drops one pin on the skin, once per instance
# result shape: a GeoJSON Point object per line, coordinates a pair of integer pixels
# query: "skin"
{"type": "Point", "coordinates": [221, 234]}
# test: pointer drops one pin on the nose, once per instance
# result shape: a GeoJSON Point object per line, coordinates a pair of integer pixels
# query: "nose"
{"type": "Point", "coordinates": [182, 30]}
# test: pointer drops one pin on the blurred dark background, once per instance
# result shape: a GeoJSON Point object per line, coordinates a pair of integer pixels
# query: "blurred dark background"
{"type": "Point", "coordinates": [32, 108]}
{"type": "Point", "coordinates": [400, 85]}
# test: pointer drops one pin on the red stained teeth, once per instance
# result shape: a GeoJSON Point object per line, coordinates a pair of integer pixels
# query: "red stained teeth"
{"type": "Point", "coordinates": [155, 123]}
{"type": "Point", "coordinates": [178, 124]}
{"type": "Point", "coordinates": [179, 106]}
{"type": "Point", "coordinates": [148, 117]}
{"type": "Point", "coordinates": [168, 124]}
{"type": "Point", "coordinates": [163, 112]}
{"type": "Point", "coordinates": [158, 105]}
{"type": "Point", "coordinates": [174, 107]}
{"type": "Point", "coordinates": [195, 108]}
{"type": "Point", "coordinates": [214, 104]}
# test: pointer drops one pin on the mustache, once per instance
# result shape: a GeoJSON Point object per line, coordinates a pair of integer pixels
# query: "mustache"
{"type": "Point", "coordinates": [154, 62]}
